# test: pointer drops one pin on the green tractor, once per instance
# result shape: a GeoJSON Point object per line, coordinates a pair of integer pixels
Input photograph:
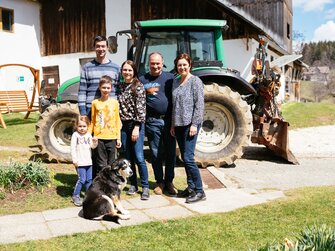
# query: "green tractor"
{"type": "Point", "coordinates": [232, 105]}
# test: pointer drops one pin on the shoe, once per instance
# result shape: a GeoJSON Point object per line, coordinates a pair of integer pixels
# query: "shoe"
{"type": "Point", "coordinates": [171, 189]}
{"type": "Point", "coordinates": [186, 193]}
{"type": "Point", "coordinates": [195, 198]}
{"type": "Point", "coordinates": [132, 190]}
{"type": "Point", "coordinates": [77, 201]}
{"type": "Point", "coordinates": [145, 193]}
{"type": "Point", "coordinates": [159, 189]}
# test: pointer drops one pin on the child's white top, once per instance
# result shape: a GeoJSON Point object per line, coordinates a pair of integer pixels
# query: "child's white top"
{"type": "Point", "coordinates": [81, 149]}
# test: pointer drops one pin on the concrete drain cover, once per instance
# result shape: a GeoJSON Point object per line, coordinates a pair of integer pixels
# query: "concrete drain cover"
{"type": "Point", "coordinates": [210, 180]}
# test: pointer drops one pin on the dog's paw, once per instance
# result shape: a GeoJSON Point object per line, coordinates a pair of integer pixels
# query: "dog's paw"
{"type": "Point", "coordinates": [124, 216]}
{"type": "Point", "coordinates": [125, 212]}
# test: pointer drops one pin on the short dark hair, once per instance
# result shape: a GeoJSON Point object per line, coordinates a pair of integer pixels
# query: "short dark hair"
{"type": "Point", "coordinates": [182, 56]}
{"type": "Point", "coordinates": [99, 38]}
{"type": "Point", "coordinates": [105, 80]}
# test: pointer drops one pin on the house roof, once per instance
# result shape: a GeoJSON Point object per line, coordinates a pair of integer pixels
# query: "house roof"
{"type": "Point", "coordinates": [317, 70]}
{"type": "Point", "coordinates": [271, 37]}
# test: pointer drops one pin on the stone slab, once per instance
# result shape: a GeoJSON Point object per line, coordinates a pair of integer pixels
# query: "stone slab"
{"type": "Point", "coordinates": [168, 212]}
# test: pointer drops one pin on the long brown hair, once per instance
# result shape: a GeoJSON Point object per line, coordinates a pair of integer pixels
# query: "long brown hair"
{"type": "Point", "coordinates": [135, 82]}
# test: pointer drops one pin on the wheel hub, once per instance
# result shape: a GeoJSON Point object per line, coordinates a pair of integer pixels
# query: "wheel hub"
{"type": "Point", "coordinates": [217, 129]}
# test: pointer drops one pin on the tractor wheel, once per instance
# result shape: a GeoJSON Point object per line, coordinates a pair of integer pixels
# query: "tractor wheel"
{"type": "Point", "coordinates": [226, 127]}
{"type": "Point", "coordinates": [54, 130]}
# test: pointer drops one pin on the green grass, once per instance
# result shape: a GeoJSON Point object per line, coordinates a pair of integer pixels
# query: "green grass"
{"type": "Point", "coordinates": [20, 132]}
{"type": "Point", "coordinates": [301, 115]}
{"type": "Point", "coordinates": [250, 227]}
{"type": "Point", "coordinates": [58, 193]}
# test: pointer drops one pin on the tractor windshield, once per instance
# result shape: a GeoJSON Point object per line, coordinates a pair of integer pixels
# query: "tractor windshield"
{"type": "Point", "coordinates": [200, 45]}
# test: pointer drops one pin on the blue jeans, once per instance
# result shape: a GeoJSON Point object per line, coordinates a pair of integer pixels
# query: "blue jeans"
{"type": "Point", "coordinates": [133, 151]}
{"type": "Point", "coordinates": [162, 148]}
{"type": "Point", "coordinates": [84, 179]}
{"type": "Point", "coordinates": [187, 147]}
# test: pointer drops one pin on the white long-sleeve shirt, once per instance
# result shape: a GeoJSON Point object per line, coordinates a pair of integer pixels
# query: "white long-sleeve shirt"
{"type": "Point", "coordinates": [81, 149]}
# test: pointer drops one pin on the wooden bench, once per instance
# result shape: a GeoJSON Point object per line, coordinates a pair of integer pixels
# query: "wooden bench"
{"type": "Point", "coordinates": [15, 101]}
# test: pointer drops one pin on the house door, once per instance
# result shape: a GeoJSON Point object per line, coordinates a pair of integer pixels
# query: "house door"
{"type": "Point", "coordinates": [51, 80]}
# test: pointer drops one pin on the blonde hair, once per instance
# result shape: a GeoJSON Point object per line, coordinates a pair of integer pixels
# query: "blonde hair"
{"type": "Point", "coordinates": [83, 119]}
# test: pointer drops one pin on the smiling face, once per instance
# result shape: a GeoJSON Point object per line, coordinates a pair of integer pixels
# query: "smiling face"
{"type": "Point", "coordinates": [100, 50]}
{"type": "Point", "coordinates": [155, 64]}
{"type": "Point", "coordinates": [105, 90]}
{"type": "Point", "coordinates": [81, 127]}
{"type": "Point", "coordinates": [183, 67]}
{"type": "Point", "coordinates": [127, 73]}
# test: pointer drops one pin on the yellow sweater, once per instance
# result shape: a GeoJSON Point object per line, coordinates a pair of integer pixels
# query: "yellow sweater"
{"type": "Point", "coordinates": [106, 122]}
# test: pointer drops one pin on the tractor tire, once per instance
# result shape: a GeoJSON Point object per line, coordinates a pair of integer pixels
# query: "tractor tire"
{"type": "Point", "coordinates": [226, 127]}
{"type": "Point", "coordinates": [54, 130]}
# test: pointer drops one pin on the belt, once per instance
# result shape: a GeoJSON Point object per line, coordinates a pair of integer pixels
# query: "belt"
{"type": "Point", "coordinates": [156, 116]}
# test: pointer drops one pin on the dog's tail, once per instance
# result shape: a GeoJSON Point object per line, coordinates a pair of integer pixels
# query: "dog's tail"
{"type": "Point", "coordinates": [112, 218]}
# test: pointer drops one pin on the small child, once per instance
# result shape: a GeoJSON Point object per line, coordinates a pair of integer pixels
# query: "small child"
{"type": "Point", "coordinates": [81, 144]}
{"type": "Point", "coordinates": [106, 126]}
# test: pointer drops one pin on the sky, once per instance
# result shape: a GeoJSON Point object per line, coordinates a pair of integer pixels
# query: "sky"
{"type": "Point", "coordinates": [314, 19]}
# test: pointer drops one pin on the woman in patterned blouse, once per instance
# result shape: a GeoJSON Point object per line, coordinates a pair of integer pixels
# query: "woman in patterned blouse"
{"type": "Point", "coordinates": [187, 116]}
{"type": "Point", "coordinates": [131, 96]}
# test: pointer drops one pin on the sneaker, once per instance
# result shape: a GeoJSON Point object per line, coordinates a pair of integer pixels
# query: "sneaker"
{"type": "Point", "coordinates": [132, 190]}
{"type": "Point", "coordinates": [195, 198]}
{"type": "Point", "coordinates": [159, 189]}
{"type": "Point", "coordinates": [186, 193]}
{"type": "Point", "coordinates": [77, 201]}
{"type": "Point", "coordinates": [171, 189]}
{"type": "Point", "coordinates": [145, 193]}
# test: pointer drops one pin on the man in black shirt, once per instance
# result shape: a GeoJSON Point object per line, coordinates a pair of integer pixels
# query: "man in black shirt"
{"type": "Point", "coordinates": [158, 85]}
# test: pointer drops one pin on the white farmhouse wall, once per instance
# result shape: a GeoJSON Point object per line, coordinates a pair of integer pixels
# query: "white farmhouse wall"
{"type": "Point", "coordinates": [239, 55]}
{"type": "Point", "coordinates": [118, 18]}
{"type": "Point", "coordinates": [20, 46]}
{"type": "Point", "coordinates": [240, 58]}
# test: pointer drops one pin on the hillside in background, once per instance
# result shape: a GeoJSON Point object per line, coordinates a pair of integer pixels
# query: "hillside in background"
{"type": "Point", "coordinates": [319, 54]}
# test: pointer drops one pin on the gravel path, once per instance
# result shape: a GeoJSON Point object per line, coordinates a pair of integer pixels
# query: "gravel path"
{"type": "Point", "coordinates": [260, 169]}
{"type": "Point", "coordinates": [313, 142]}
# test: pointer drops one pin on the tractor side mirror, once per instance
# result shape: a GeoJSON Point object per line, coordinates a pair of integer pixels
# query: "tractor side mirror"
{"type": "Point", "coordinates": [112, 44]}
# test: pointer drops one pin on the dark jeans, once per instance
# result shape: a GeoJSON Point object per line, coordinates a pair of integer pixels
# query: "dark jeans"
{"type": "Point", "coordinates": [162, 148]}
{"type": "Point", "coordinates": [187, 147]}
{"type": "Point", "coordinates": [104, 155]}
{"type": "Point", "coordinates": [133, 151]}
{"type": "Point", "coordinates": [84, 179]}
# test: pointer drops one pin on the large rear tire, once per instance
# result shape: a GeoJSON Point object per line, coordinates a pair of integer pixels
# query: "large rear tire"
{"type": "Point", "coordinates": [54, 130]}
{"type": "Point", "coordinates": [226, 127]}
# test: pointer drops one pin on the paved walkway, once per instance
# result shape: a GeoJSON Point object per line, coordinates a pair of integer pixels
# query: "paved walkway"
{"type": "Point", "coordinates": [252, 182]}
{"type": "Point", "coordinates": [52, 223]}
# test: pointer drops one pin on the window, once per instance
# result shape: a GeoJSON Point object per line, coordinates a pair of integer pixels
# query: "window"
{"type": "Point", "coordinates": [6, 19]}
{"type": "Point", "coordinates": [200, 46]}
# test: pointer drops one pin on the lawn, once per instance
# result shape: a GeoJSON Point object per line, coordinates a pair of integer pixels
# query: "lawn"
{"type": "Point", "coordinates": [20, 132]}
{"type": "Point", "coordinates": [247, 228]}
{"type": "Point", "coordinates": [250, 227]}
{"type": "Point", "coordinates": [301, 115]}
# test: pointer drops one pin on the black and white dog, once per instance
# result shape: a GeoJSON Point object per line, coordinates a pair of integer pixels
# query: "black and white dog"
{"type": "Point", "coordinates": [102, 200]}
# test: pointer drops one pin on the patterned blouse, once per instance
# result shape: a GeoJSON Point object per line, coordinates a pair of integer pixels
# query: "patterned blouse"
{"type": "Point", "coordinates": [132, 105]}
{"type": "Point", "coordinates": [188, 102]}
